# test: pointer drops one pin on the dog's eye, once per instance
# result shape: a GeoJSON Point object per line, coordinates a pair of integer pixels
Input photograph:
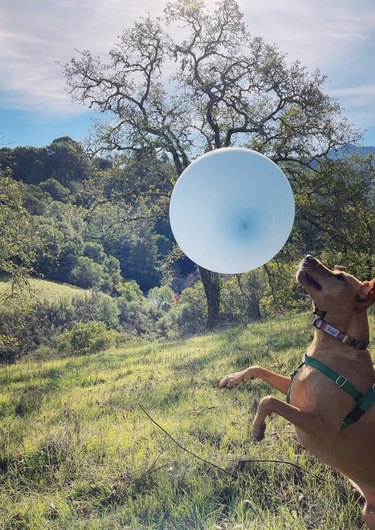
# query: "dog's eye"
{"type": "Point", "coordinates": [340, 277]}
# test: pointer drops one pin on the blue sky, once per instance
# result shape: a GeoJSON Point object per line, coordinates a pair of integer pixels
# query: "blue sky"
{"type": "Point", "coordinates": [336, 36]}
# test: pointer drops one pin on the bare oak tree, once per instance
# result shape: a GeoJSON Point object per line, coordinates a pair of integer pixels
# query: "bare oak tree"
{"type": "Point", "coordinates": [193, 81]}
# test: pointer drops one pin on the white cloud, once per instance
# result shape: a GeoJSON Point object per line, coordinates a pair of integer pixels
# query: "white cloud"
{"type": "Point", "coordinates": [337, 36]}
{"type": "Point", "coordinates": [355, 92]}
{"type": "Point", "coordinates": [316, 31]}
{"type": "Point", "coordinates": [35, 36]}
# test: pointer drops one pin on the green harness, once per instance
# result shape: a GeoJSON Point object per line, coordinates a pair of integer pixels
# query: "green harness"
{"type": "Point", "coordinates": [363, 402]}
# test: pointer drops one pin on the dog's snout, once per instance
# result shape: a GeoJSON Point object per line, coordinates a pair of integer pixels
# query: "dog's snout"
{"type": "Point", "coordinates": [310, 261]}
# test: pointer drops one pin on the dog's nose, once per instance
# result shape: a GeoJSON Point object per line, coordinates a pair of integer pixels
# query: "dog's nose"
{"type": "Point", "coordinates": [310, 261]}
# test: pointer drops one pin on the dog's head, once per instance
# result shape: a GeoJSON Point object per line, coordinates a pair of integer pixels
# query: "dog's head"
{"type": "Point", "coordinates": [334, 289]}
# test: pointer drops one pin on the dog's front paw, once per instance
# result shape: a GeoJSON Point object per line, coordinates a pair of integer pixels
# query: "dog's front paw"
{"type": "Point", "coordinates": [232, 380]}
{"type": "Point", "coordinates": [258, 431]}
{"type": "Point", "coordinates": [238, 378]}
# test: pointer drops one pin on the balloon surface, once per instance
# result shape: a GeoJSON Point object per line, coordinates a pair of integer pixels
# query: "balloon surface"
{"type": "Point", "coordinates": [231, 210]}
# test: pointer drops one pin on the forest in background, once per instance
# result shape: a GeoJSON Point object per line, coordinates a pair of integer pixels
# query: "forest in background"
{"type": "Point", "coordinates": [101, 224]}
{"type": "Point", "coordinates": [96, 216]}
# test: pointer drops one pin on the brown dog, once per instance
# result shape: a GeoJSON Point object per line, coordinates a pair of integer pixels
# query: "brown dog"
{"type": "Point", "coordinates": [331, 397]}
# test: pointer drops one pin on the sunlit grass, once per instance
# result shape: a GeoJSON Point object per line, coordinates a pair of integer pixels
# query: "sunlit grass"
{"type": "Point", "coordinates": [77, 451]}
{"type": "Point", "coordinates": [36, 289]}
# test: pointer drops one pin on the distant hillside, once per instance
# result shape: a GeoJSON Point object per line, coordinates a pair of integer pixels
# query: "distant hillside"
{"type": "Point", "coordinates": [350, 149]}
{"type": "Point", "coordinates": [44, 290]}
{"type": "Point", "coordinates": [353, 149]}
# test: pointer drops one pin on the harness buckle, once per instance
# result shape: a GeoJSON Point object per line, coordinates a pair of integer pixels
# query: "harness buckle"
{"type": "Point", "coordinates": [341, 380]}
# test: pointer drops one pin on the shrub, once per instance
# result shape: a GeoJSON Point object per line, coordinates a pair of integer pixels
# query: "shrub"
{"type": "Point", "coordinates": [37, 327]}
{"type": "Point", "coordinates": [161, 297]}
{"type": "Point", "coordinates": [186, 317]}
{"type": "Point", "coordinates": [57, 191]}
{"type": "Point", "coordinates": [33, 325]}
{"type": "Point", "coordinates": [137, 318]}
{"type": "Point", "coordinates": [85, 338]}
{"type": "Point", "coordinates": [94, 251]}
{"type": "Point", "coordinates": [97, 306]}
{"type": "Point", "coordinates": [9, 349]}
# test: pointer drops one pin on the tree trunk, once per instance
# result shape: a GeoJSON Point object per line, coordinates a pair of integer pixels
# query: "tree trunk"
{"type": "Point", "coordinates": [211, 284]}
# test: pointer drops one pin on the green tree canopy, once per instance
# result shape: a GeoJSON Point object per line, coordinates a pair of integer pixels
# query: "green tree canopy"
{"type": "Point", "coordinates": [18, 239]}
{"type": "Point", "coordinates": [194, 81]}
{"type": "Point", "coordinates": [64, 160]}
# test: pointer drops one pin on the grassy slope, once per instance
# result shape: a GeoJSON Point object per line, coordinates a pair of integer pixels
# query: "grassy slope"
{"type": "Point", "coordinates": [77, 452]}
{"type": "Point", "coordinates": [38, 289]}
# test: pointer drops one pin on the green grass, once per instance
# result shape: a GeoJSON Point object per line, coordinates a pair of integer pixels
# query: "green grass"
{"type": "Point", "coordinates": [37, 289]}
{"type": "Point", "coordinates": [77, 451]}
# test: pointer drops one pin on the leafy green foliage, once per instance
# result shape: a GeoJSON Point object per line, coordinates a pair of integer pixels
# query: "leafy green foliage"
{"type": "Point", "coordinates": [97, 306]}
{"type": "Point", "coordinates": [86, 273]}
{"type": "Point", "coordinates": [335, 213]}
{"type": "Point", "coordinates": [161, 297]}
{"type": "Point", "coordinates": [188, 316]}
{"type": "Point", "coordinates": [225, 88]}
{"type": "Point", "coordinates": [9, 349]}
{"type": "Point", "coordinates": [130, 291]}
{"type": "Point", "coordinates": [28, 325]}
{"type": "Point", "coordinates": [18, 241]}
{"type": "Point", "coordinates": [55, 189]}
{"type": "Point", "coordinates": [85, 338]}
{"type": "Point", "coordinates": [63, 161]}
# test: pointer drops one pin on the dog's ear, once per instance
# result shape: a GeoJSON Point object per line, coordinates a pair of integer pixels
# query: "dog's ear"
{"type": "Point", "coordinates": [339, 268]}
{"type": "Point", "coordinates": [366, 293]}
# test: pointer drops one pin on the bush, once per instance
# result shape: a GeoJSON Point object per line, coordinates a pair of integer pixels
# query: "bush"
{"type": "Point", "coordinates": [9, 349]}
{"type": "Point", "coordinates": [85, 338]}
{"type": "Point", "coordinates": [186, 317]}
{"type": "Point", "coordinates": [94, 251]}
{"type": "Point", "coordinates": [138, 318]}
{"type": "Point", "coordinates": [34, 325]}
{"type": "Point", "coordinates": [161, 297]}
{"type": "Point", "coordinates": [38, 326]}
{"type": "Point", "coordinates": [98, 306]}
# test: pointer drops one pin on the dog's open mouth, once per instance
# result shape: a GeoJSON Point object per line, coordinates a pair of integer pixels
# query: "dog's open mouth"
{"type": "Point", "coordinates": [310, 280]}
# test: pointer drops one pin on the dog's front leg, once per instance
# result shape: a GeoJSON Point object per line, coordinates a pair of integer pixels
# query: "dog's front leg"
{"type": "Point", "coordinates": [279, 382]}
{"type": "Point", "coordinates": [304, 420]}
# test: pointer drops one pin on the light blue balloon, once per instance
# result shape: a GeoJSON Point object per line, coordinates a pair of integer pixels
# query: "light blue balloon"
{"type": "Point", "coordinates": [232, 210]}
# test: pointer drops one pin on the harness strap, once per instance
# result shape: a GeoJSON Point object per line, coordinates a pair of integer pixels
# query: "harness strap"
{"type": "Point", "coordinates": [338, 379]}
{"type": "Point", "coordinates": [364, 402]}
{"type": "Point", "coordinates": [287, 397]}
